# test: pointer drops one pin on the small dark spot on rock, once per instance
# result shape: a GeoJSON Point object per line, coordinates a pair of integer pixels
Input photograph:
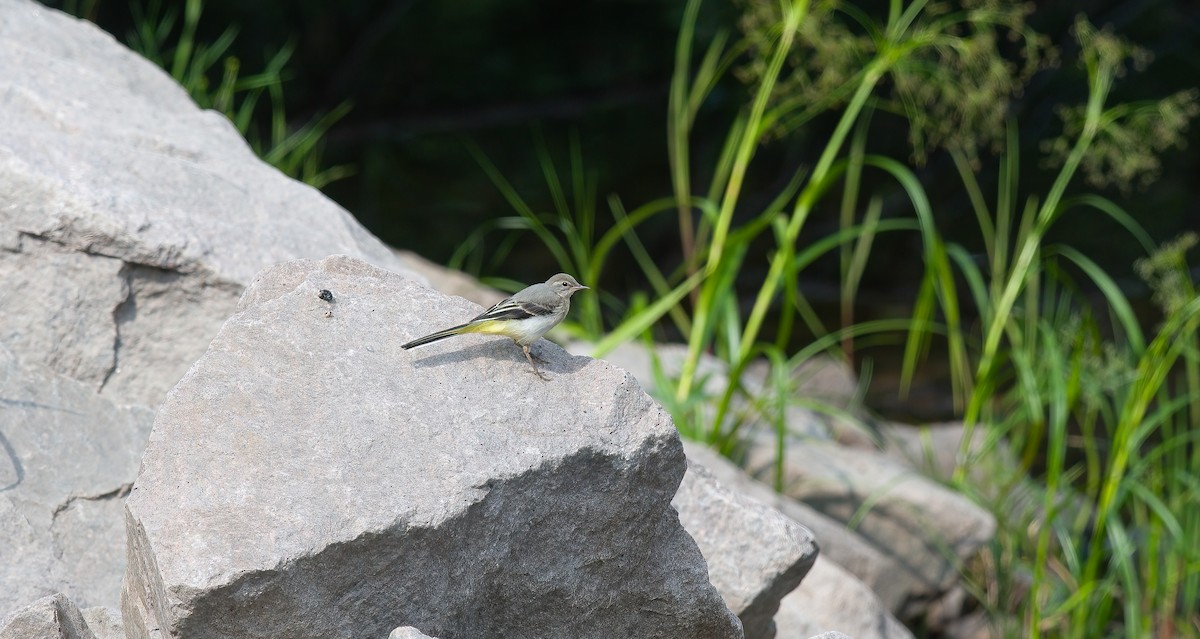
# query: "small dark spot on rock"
{"type": "Point", "coordinates": [326, 295]}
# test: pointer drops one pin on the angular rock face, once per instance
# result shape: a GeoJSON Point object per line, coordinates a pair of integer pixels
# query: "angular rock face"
{"type": "Point", "coordinates": [755, 554]}
{"type": "Point", "coordinates": [51, 617]}
{"type": "Point", "coordinates": [309, 478]}
{"type": "Point", "coordinates": [882, 574]}
{"type": "Point", "coordinates": [104, 622]}
{"type": "Point", "coordinates": [831, 595]}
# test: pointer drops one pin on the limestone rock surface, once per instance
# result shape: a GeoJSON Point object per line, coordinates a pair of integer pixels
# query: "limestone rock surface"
{"type": "Point", "coordinates": [309, 478]}
{"type": "Point", "coordinates": [130, 222]}
{"type": "Point", "coordinates": [67, 458]}
{"type": "Point", "coordinates": [104, 622]}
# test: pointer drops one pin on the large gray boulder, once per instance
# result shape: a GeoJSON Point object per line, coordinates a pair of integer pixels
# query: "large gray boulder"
{"type": "Point", "coordinates": [130, 223]}
{"type": "Point", "coordinates": [309, 478]}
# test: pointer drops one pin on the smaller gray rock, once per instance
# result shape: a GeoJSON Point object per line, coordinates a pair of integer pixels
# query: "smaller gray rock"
{"type": "Point", "coordinates": [881, 573]}
{"type": "Point", "coordinates": [29, 568]}
{"type": "Point", "coordinates": [821, 378]}
{"type": "Point", "coordinates": [104, 622]}
{"type": "Point", "coordinates": [828, 379]}
{"type": "Point", "coordinates": [755, 554]}
{"type": "Point", "coordinates": [639, 362]}
{"type": "Point", "coordinates": [933, 449]}
{"type": "Point", "coordinates": [448, 280]}
{"type": "Point", "coordinates": [408, 632]}
{"type": "Point", "coordinates": [827, 400]}
{"type": "Point", "coordinates": [911, 518]}
{"type": "Point", "coordinates": [51, 617]}
{"type": "Point", "coordinates": [832, 598]}
{"type": "Point", "coordinates": [711, 372]}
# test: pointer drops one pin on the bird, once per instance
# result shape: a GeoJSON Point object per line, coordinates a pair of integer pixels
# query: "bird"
{"type": "Point", "coordinates": [526, 316]}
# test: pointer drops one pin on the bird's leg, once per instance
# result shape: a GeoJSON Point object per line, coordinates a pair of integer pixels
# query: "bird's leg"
{"type": "Point", "coordinates": [529, 356]}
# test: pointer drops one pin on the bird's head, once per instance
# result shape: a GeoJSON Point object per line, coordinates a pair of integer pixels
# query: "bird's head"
{"type": "Point", "coordinates": [564, 285]}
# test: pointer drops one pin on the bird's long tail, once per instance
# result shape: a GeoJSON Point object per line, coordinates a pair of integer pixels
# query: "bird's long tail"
{"type": "Point", "coordinates": [449, 332]}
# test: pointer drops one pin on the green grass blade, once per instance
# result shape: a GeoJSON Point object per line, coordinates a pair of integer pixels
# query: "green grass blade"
{"type": "Point", "coordinates": [637, 324]}
{"type": "Point", "coordinates": [1112, 292]}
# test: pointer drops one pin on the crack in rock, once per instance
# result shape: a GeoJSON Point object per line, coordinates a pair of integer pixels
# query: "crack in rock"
{"type": "Point", "coordinates": [120, 492]}
{"type": "Point", "coordinates": [18, 470]}
{"type": "Point", "coordinates": [125, 310]}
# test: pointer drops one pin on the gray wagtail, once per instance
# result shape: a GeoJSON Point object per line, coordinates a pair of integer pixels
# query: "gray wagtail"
{"type": "Point", "coordinates": [523, 318]}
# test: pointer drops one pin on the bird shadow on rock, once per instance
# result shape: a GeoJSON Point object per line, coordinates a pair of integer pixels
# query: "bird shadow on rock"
{"type": "Point", "coordinates": [554, 361]}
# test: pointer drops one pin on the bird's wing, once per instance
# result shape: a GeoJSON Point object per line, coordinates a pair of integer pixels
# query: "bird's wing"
{"type": "Point", "coordinates": [513, 309]}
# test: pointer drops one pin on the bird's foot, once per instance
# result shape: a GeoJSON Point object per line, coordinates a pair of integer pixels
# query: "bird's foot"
{"type": "Point", "coordinates": [537, 358]}
{"type": "Point", "coordinates": [529, 356]}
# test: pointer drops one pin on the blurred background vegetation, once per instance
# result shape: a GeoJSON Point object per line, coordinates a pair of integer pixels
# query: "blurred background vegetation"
{"type": "Point", "coordinates": [988, 207]}
{"type": "Point", "coordinates": [403, 90]}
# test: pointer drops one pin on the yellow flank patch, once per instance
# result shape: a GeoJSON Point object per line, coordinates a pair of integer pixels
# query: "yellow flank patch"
{"type": "Point", "coordinates": [493, 327]}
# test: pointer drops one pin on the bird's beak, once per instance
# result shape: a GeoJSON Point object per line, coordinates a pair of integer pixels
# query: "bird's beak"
{"type": "Point", "coordinates": [580, 287]}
